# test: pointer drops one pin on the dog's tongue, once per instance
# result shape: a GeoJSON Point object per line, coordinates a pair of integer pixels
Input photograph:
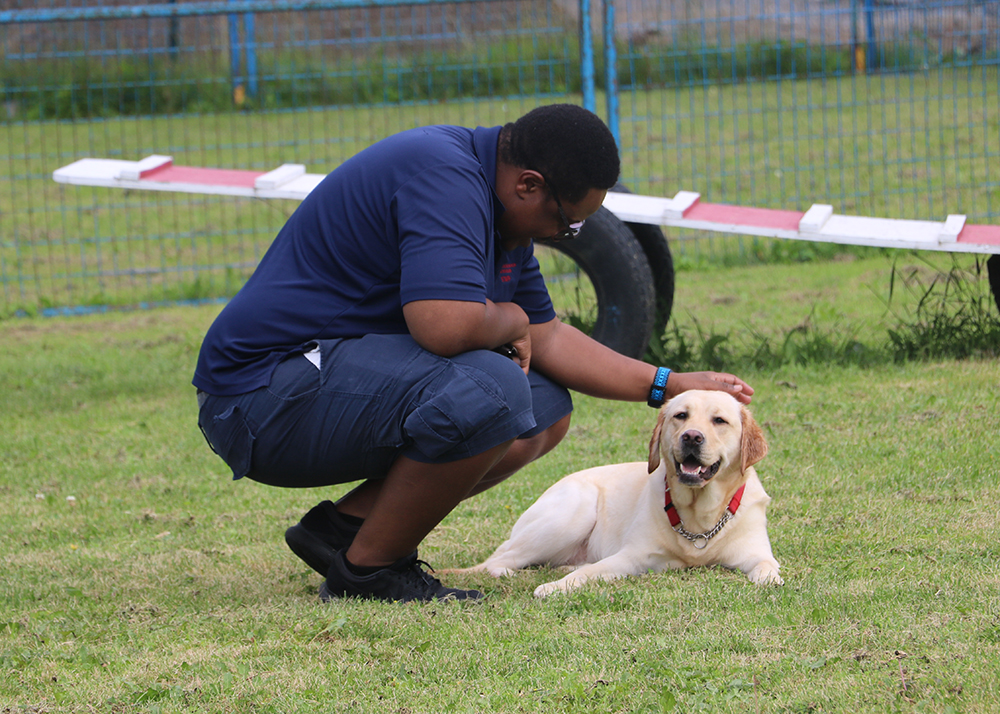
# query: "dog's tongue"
{"type": "Point", "coordinates": [692, 467]}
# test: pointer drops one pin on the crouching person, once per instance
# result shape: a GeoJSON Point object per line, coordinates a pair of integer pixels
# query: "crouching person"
{"type": "Point", "coordinates": [398, 334]}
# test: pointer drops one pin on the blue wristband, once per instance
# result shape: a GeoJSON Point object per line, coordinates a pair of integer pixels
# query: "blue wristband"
{"type": "Point", "coordinates": [658, 392]}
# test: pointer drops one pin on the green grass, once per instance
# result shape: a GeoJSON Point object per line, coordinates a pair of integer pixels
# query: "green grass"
{"type": "Point", "coordinates": [165, 587]}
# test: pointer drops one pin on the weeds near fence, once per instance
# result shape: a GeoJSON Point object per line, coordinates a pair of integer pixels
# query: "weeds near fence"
{"type": "Point", "coordinates": [812, 342]}
{"type": "Point", "coordinates": [954, 318]}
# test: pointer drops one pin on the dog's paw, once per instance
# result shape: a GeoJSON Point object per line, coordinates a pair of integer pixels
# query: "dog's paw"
{"type": "Point", "coordinates": [499, 571]}
{"type": "Point", "coordinates": [571, 582]}
{"type": "Point", "coordinates": [765, 573]}
{"type": "Point", "coordinates": [550, 589]}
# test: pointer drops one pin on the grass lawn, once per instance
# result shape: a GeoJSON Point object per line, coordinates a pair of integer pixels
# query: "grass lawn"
{"type": "Point", "coordinates": [137, 577]}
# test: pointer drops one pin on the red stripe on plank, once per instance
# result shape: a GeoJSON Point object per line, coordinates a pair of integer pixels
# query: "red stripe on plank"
{"type": "Point", "coordinates": [745, 216]}
{"type": "Point", "coordinates": [207, 177]}
{"type": "Point", "coordinates": [149, 172]}
{"type": "Point", "coordinates": [980, 235]}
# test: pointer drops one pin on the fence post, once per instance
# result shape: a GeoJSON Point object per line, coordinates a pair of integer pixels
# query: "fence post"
{"type": "Point", "coordinates": [250, 41]}
{"type": "Point", "coordinates": [174, 39]}
{"type": "Point", "coordinates": [871, 58]}
{"type": "Point", "coordinates": [587, 58]}
{"type": "Point", "coordinates": [243, 86]}
{"type": "Point", "coordinates": [611, 69]}
{"type": "Point", "coordinates": [239, 91]}
{"type": "Point", "coordinates": [857, 54]}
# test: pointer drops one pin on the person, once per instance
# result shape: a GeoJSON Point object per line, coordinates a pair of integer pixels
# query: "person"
{"type": "Point", "coordinates": [362, 348]}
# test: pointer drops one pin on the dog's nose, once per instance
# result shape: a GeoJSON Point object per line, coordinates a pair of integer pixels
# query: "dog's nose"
{"type": "Point", "coordinates": [692, 438]}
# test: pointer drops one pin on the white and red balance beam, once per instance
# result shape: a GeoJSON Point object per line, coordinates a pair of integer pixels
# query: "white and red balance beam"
{"type": "Point", "coordinates": [685, 210]}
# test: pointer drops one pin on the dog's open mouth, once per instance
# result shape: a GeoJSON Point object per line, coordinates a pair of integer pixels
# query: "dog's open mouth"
{"type": "Point", "coordinates": [692, 472]}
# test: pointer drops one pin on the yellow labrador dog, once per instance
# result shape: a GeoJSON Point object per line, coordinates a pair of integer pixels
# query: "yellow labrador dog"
{"type": "Point", "coordinates": [698, 503]}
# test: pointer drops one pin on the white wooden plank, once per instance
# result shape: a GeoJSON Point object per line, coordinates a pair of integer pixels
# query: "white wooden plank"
{"type": "Point", "coordinates": [91, 172]}
{"type": "Point", "coordinates": [815, 218]}
{"type": "Point", "coordinates": [682, 202]}
{"type": "Point", "coordinates": [818, 224]}
{"type": "Point", "coordinates": [884, 230]}
{"type": "Point", "coordinates": [654, 210]}
{"type": "Point", "coordinates": [146, 166]}
{"type": "Point", "coordinates": [952, 227]}
{"type": "Point", "coordinates": [186, 187]}
{"type": "Point", "coordinates": [633, 208]}
{"type": "Point", "coordinates": [738, 228]}
{"type": "Point", "coordinates": [279, 176]}
{"type": "Point", "coordinates": [296, 189]}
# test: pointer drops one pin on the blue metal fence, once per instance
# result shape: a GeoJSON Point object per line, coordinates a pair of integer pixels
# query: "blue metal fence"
{"type": "Point", "coordinates": [878, 109]}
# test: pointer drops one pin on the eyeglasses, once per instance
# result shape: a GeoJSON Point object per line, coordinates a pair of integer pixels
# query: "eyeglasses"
{"type": "Point", "coordinates": [572, 230]}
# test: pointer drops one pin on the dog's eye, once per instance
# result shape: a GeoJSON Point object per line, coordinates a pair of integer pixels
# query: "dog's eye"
{"type": "Point", "coordinates": [719, 420]}
{"type": "Point", "coordinates": [681, 415]}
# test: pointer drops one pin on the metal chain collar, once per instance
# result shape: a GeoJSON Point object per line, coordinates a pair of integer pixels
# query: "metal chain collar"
{"type": "Point", "coordinates": [700, 540]}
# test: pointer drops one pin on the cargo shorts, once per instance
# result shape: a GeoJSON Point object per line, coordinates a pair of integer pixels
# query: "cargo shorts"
{"type": "Point", "coordinates": [343, 410]}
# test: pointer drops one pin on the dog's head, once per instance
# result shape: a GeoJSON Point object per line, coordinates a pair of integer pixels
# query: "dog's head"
{"type": "Point", "coordinates": [701, 433]}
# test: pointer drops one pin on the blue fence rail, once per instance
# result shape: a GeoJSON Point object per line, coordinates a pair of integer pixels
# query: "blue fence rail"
{"type": "Point", "coordinates": [879, 109]}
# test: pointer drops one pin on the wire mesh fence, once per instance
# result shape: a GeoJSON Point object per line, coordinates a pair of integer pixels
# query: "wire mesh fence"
{"type": "Point", "coordinates": [878, 109]}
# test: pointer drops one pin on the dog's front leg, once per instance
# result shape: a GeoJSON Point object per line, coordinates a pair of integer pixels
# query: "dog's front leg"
{"type": "Point", "coordinates": [758, 564]}
{"type": "Point", "coordinates": [619, 565]}
{"type": "Point", "coordinates": [766, 572]}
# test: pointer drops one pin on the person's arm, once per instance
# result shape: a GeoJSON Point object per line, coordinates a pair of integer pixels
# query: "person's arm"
{"type": "Point", "coordinates": [578, 362]}
{"type": "Point", "coordinates": [450, 327]}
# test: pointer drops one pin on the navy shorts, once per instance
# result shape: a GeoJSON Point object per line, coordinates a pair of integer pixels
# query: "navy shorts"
{"type": "Point", "coordinates": [371, 400]}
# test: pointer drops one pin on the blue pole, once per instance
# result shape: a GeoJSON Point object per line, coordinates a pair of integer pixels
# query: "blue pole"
{"type": "Point", "coordinates": [250, 30]}
{"type": "Point", "coordinates": [174, 39]}
{"type": "Point", "coordinates": [587, 58]}
{"type": "Point", "coordinates": [234, 57]}
{"type": "Point", "coordinates": [871, 58]}
{"type": "Point", "coordinates": [611, 69]}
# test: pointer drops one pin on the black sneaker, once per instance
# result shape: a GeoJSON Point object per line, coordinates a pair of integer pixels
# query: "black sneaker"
{"type": "Point", "coordinates": [403, 581]}
{"type": "Point", "coordinates": [319, 535]}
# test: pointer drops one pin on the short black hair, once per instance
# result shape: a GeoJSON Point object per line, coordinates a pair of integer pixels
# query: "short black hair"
{"type": "Point", "coordinates": [571, 147]}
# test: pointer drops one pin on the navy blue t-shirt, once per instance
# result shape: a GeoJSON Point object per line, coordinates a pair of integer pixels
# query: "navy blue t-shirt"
{"type": "Point", "coordinates": [412, 217]}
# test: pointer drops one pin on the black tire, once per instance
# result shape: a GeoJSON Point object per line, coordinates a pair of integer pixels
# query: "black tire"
{"type": "Point", "coordinates": [614, 260]}
{"type": "Point", "coordinates": [993, 273]}
{"type": "Point", "coordinates": [661, 263]}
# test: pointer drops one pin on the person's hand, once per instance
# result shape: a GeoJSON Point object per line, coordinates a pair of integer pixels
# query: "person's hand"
{"type": "Point", "coordinates": [523, 347]}
{"type": "Point", "coordinates": [719, 381]}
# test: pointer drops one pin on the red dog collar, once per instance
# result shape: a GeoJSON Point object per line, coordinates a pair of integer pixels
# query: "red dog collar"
{"type": "Point", "coordinates": [700, 540]}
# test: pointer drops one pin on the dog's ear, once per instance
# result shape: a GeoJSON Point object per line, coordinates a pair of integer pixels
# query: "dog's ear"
{"type": "Point", "coordinates": [753, 445]}
{"type": "Point", "coordinates": [654, 443]}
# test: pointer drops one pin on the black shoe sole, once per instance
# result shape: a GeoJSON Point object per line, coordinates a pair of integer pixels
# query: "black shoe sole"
{"type": "Point", "coordinates": [316, 553]}
{"type": "Point", "coordinates": [403, 581]}
{"type": "Point", "coordinates": [473, 596]}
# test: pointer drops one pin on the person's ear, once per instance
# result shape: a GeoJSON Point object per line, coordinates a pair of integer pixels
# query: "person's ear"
{"type": "Point", "coordinates": [530, 183]}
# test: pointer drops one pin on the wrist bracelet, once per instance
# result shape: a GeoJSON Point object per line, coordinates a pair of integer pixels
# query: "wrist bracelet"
{"type": "Point", "coordinates": [658, 392]}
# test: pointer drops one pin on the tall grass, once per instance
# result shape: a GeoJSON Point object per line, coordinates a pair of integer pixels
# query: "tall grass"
{"type": "Point", "coordinates": [934, 308]}
{"type": "Point", "coordinates": [955, 315]}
